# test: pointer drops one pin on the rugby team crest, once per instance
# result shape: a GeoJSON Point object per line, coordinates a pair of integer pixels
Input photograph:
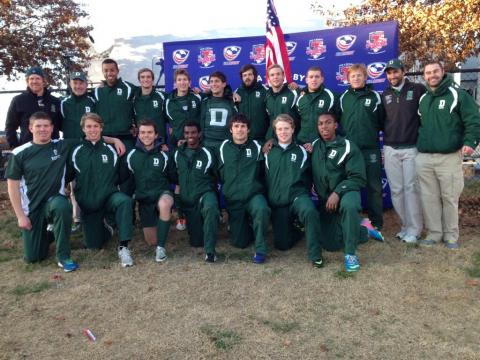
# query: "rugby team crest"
{"type": "Point", "coordinates": [344, 43]}
{"type": "Point", "coordinates": [206, 58]}
{"type": "Point", "coordinates": [342, 74]}
{"type": "Point", "coordinates": [376, 42]}
{"type": "Point", "coordinates": [257, 55]}
{"type": "Point", "coordinates": [316, 48]}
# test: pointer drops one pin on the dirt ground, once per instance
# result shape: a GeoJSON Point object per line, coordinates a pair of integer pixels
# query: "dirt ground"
{"type": "Point", "coordinates": [406, 302]}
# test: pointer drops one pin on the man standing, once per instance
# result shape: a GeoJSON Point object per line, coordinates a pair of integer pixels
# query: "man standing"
{"type": "Point", "coordinates": [252, 95]}
{"type": "Point", "coordinates": [362, 118]}
{"type": "Point", "coordinates": [96, 168]}
{"type": "Point", "coordinates": [449, 129]}
{"type": "Point", "coordinates": [149, 103]}
{"type": "Point", "coordinates": [315, 99]}
{"type": "Point", "coordinates": [36, 98]}
{"type": "Point", "coordinates": [217, 109]}
{"type": "Point", "coordinates": [241, 169]}
{"type": "Point", "coordinates": [280, 99]}
{"type": "Point", "coordinates": [400, 101]}
{"type": "Point", "coordinates": [150, 168]}
{"type": "Point", "coordinates": [289, 184]}
{"type": "Point", "coordinates": [36, 186]}
{"type": "Point", "coordinates": [195, 168]}
{"type": "Point", "coordinates": [338, 175]}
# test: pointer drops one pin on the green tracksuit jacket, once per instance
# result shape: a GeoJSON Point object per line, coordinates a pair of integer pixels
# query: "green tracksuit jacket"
{"type": "Point", "coordinates": [287, 174]}
{"type": "Point", "coordinates": [96, 173]}
{"type": "Point", "coordinates": [337, 166]}
{"type": "Point", "coordinates": [179, 110]}
{"type": "Point", "coordinates": [253, 106]}
{"type": "Point", "coordinates": [215, 116]}
{"type": "Point", "coordinates": [240, 168]}
{"type": "Point", "coordinates": [151, 107]}
{"type": "Point", "coordinates": [73, 107]}
{"type": "Point", "coordinates": [449, 119]}
{"type": "Point", "coordinates": [195, 173]}
{"type": "Point", "coordinates": [282, 102]}
{"type": "Point", "coordinates": [310, 105]}
{"type": "Point", "coordinates": [151, 170]}
{"type": "Point", "coordinates": [115, 106]}
{"type": "Point", "coordinates": [362, 116]}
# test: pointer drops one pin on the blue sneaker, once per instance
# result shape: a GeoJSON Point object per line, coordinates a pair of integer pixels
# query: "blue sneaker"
{"type": "Point", "coordinates": [258, 258]}
{"type": "Point", "coordinates": [68, 265]}
{"type": "Point", "coordinates": [427, 242]}
{"type": "Point", "coordinates": [451, 244]}
{"type": "Point", "coordinates": [351, 263]}
{"type": "Point", "coordinates": [372, 231]}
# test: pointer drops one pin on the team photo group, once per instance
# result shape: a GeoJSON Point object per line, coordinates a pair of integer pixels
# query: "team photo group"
{"type": "Point", "coordinates": [292, 158]}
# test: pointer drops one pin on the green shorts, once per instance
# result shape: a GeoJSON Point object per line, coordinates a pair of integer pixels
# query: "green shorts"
{"type": "Point", "coordinates": [149, 212]}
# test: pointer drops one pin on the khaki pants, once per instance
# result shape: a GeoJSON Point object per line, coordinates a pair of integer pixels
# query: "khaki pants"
{"type": "Point", "coordinates": [400, 169]}
{"type": "Point", "coordinates": [440, 178]}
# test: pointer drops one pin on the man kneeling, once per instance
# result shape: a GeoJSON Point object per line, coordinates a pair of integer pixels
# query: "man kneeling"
{"type": "Point", "coordinates": [150, 167]}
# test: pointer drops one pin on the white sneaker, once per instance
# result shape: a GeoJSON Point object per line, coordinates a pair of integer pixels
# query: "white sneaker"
{"type": "Point", "coordinates": [410, 239]}
{"type": "Point", "coordinates": [181, 225]}
{"type": "Point", "coordinates": [160, 254]}
{"type": "Point", "coordinates": [125, 256]}
{"type": "Point", "coordinates": [400, 235]}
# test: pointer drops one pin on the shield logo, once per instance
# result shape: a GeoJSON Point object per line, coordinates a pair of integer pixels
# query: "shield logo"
{"type": "Point", "coordinates": [376, 42]}
{"type": "Point", "coordinates": [257, 55]}
{"type": "Point", "coordinates": [231, 52]}
{"type": "Point", "coordinates": [291, 46]}
{"type": "Point", "coordinates": [203, 83]}
{"type": "Point", "coordinates": [206, 57]}
{"type": "Point", "coordinates": [316, 48]}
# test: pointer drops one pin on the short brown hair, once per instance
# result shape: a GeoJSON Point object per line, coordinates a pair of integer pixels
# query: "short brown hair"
{"type": "Point", "coordinates": [39, 115]}
{"type": "Point", "coordinates": [275, 66]}
{"type": "Point", "coordinates": [285, 118]}
{"type": "Point", "coordinates": [314, 68]}
{"type": "Point", "coordinates": [91, 116]}
{"type": "Point", "coordinates": [248, 67]}
{"type": "Point", "coordinates": [142, 70]}
{"type": "Point", "coordinates": [148, 122]}
{"type": "Point", "coordinates": [433, 62]}
{"type": "Point", "coordinates": [179, 72]}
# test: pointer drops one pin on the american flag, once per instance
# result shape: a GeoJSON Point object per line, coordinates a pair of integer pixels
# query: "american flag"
{"type": "Point", "coordinates": [275, 48]}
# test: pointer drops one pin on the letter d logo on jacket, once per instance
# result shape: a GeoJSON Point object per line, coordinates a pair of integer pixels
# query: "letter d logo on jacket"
{"type": "Point", "coordinates": [156, 161]}
{"type": "Point", "coordinates": [104, 158]}
{"type": "Point", "coordinates": [294, 157]}
{"type": "Point", "coordinates": [199, 164]}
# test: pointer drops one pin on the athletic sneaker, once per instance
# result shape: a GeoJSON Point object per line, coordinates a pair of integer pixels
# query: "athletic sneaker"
{"type": "Point", "coordinates": [318, 263]}
{"type": "Point", "coordinates": [409, 239]}
{"type": "Point", "coordinates": [50, 227]}
{"type": "Point", "coordinates": [76, 226]}
{"type": "Point", "coordinates": [451, 244]}
{"type": "Point", "coordinates": [125, 256]}
{"type": "Point", "coordinates": [400, 235]}
{"type": "Point", "coordinates": [68, 265]}
{"type": "Point", "coordinates": [351, 263]}
{"type": "Point", "coordinates": [181, 224]}
{"type": "Point", "coordinates": [427, 242]}
{"type": "Point", "coordinates": [210, 257]}
{"type": "Point", "coordinates": [373, 232]}
{"type": "Point", "coordinates": [160, 254]}
{"type": "Point", "coordinates": [258, 258]}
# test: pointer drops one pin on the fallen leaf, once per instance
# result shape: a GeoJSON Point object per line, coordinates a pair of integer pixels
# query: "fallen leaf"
{"type": "Point", "coordinates": [472, 282]}
{"type": "Point", "coordinates": [374, 312]}
{"type": "Point", "coordinates": [108, 342]}
{"type": "Point", "coordinates": [287, 343]}
{"type": "Point", "coordinates": [323, 348]}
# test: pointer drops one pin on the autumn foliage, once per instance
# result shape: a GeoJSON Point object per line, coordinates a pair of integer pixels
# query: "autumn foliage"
{"type": "Point", "coordinates": [43, 33]}
{"type": "Point", "coordinates": [446, 30]}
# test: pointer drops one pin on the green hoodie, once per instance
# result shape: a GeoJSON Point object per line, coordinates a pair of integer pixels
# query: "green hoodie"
{"type": "Point", "coordinates": [115, 107]}
{"type": "Point", "coordinates": [337, 166]}
{"type": "Point", "coordinates": [215, 116]}
{"type": "Point", "coordinates": [240, 167]}
{"type": "Point", "coordinates": [449, 119]}
{"type": "Point", "coordinates": [73, 107]}
{"type": "Point", "coordinates": [96, 169]}
{"type": "Point", "coordinates": [195, 170]}
{"type": "Point", "coordinates": [151, 170]}
{"type": "Point", "coordinates": [310, 105]}
{"type": "Point", "coordinates": [282, 102]}
{"type": "Point", "coordinates": [151, 106]}
{"type": "Point", "coordinates": [287, 174]}
{"type": "Point", "coordinates": [179, 110]}
{"type": "Point", "coordinates": [253, 106]}
{"type": "Point", "coordinates": [362, 116]}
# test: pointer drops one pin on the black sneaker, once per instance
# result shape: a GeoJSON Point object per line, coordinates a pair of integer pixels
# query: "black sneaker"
{"type": "Point", "coordinates": [318, 263]}
{"type": "Point", "coordinates": [210, 257]}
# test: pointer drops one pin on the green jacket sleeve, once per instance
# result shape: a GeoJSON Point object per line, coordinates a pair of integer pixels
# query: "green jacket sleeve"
{"type": "Point", "coordinates": [471, 120]}
{"type": "Point", "coordinates": [356, 177]}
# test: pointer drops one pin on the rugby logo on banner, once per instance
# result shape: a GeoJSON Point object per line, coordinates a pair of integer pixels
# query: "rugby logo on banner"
{"type": "Point", "coordinates": [344, 43]}
{"type": "Point", "coordinates": [206, 58]}
{"type": "Point", "coordinates": [342, 74]}
{"type": "Point", "coordinates": [375, 70]}
{"type": "Point", "coordinates": [291, 46]}
{"type": "Point", "coordinates": [230, 53]}
{"type": "Point", "coordinates": [376, 42]}
{"type": "Point", "coordinates": [316, 48]}
{"type": "Point", "coordinates": [203, 83]}
{"type": "Point", "coordinates": [257, 55]}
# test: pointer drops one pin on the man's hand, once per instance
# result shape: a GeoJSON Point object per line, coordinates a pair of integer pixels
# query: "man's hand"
{"type": "Point", "coordinates": [164, 147]}
{"type": "Point", "coordinates": [267, 146]}
{"type": "Point", "coordinates": [196, 90]}
{"type": "Point", "coordinates": [119, 147]}
{"type": "Point", "coordinates": [293, 85]}
{"type": "Point", "coordinates": [332, 202]}
{"type": "Point", "coordinates": [308, 147]}
{"type": "Point", "coordinates": [236, 98]}
{"type": "Point", "coordinates": [181, 142]}
{"type": "Point", "coordinates": [467, 150]}
{"type": "Point", "coordinates": [24, 223]}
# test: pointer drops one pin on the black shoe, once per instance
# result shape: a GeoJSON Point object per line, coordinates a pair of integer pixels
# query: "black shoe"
{"type": "Point", "coordinates": [318, 263]}
{"type": "Point", "coordinates": [211, 257]}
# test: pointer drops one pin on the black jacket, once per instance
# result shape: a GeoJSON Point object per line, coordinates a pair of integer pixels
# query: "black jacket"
{"type": "Point", "coordinates": [20, 110]}
{"type": "Point", "coordinates": [401, 114]}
